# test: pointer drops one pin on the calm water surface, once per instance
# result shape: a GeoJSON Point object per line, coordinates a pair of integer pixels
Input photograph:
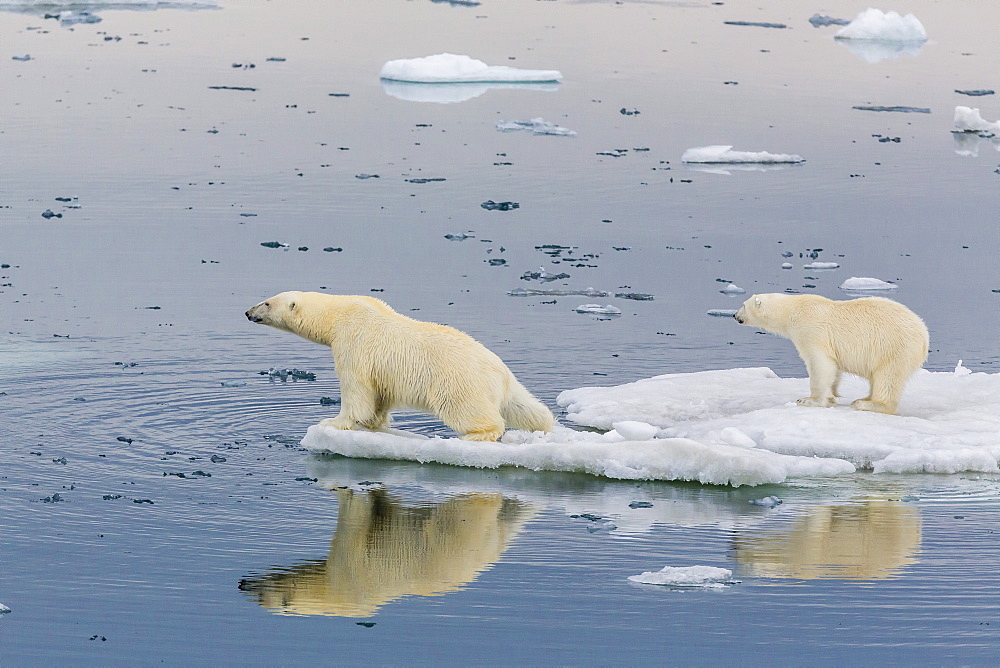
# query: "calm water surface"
{"type": "Point", "coordinates": [151, 514]}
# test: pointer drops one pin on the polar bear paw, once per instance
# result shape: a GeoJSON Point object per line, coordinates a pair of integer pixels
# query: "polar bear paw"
{"type": "Point", "coordinates": [869, 405]}
{"type": "Point", "coordinates": [813, 402]}
{"type": "Point", "coordinates": [337, 423]}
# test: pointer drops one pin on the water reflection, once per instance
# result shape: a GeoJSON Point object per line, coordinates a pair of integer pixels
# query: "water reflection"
{"type": "Point", "coordinates": [870, 540]}
{"type": "Point", "coordinates": [967, 143]}
{"type": "Point", "coordinates": [874, 51]}
{"type": "Point", "coordinates": [448, 93]}
{"type": "Point", "coordinates": [383, 550]}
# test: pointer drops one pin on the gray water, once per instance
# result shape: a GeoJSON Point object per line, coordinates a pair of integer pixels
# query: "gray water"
{"type": "Point", "coordinates": [151, 514]}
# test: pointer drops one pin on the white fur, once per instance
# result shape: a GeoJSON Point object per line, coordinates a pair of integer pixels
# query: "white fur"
{"type": "Point", "coordinates": [874, 338]}
{"type": "Point", "coordinates": [386, 360]}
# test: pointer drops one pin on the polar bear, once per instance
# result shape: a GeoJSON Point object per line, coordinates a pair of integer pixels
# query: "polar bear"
{"type": "Point", "coordinates": [872, 337]}
{"type": "Point", "coordinates": [386, 360]}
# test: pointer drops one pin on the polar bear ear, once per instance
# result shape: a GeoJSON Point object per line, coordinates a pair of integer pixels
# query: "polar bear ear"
{"type": "Point", "coordinates": [756, 302]}
{"type": "Point", "coordinates": [291, 306]}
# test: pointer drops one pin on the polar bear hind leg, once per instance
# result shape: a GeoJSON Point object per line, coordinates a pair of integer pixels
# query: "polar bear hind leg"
{"type": "Point", "coordinates": [886, 388]}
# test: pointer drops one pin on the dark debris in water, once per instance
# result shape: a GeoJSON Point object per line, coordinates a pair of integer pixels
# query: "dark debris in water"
{"type": "Point", "coordinates": [637, 296]}
{"type": "Point", "coordinates": [490, 205]}
{"type": "Point", "coordinates": [976, 93]}
{"type": "Point", "coordinates": [819, 20]}
{"type": "Point", "coordinates": [640, 504]}
{"type": "Point", "coordinates": [329, 401]}
{"type": "Point", "coordinates": [756, 24]}
{"type": "Point", "coordinates": [897, 109]}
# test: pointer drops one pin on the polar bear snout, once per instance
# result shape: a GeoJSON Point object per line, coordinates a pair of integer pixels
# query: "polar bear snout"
{"type": "Point", "coordinates": [740, 316]}
{"type": "Point", "coordinates": [255, 313]}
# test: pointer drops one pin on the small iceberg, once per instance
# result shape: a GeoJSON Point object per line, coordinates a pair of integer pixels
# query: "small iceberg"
{"type": "Point", "coordinates": [597, 309]}
{"type": "Point", "coordinates": [687, 576]}
{"type": "Point", "coordinates": [538, 126]}
{"type": "Point", "coordinates": [821, 266]}
{"type": "Point", "coordinates": [865, 284]}
{"type": "Point", "coordinates": [875, 36]}
{"type": "Point", "coordinates": [969, 120]}
{"type": "Point", "coordinates": [766, 502]}
{"type": "Point", "coordinates": [720, 154]}
{"type": "Point", "coordinates": [733, 289]}
{"type": "Point", "coordinates": [452, 68]}
{"type": "Point", "coordinates": [3, 609]}
{"type": "Point", "coordinates": [874, 24]}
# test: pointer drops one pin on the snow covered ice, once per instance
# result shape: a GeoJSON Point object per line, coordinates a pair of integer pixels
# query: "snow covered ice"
{"type": "Point", "coordinates": [948, 422]}
{"type": "Point", "coordinates": [597, 309]}
{"type": "Point", "coordinates": [452, 68]}
{"type": "Point", "coordinates": [538, 126]}
{"type": "Point", "coordinates": [865, 284]}
{"type": "Point", "coordinates": [821, 265]}
{"type": "Point", "coordinates": [874, 24]}
{"type": "Point", "coordinates": [722, 154]}
{"type": "Point", "coordinates": [969, 120]}
{"type": "Point", "coordinates": [686, 576]}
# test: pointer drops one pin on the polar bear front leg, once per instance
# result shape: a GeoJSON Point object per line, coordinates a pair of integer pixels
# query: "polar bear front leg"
{"type": "Point", "coordinates": [360, 408]}
{"type": "Point", "coordinates": [823, 379]}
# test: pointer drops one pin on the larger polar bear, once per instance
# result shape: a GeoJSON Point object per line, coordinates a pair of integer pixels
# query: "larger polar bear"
{"type": "Point", "coordinates": [872, 337]}
{"type": "Point", "coordinates": [386, 360]}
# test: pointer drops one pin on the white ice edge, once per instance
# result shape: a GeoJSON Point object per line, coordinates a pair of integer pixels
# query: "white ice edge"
{"type": "Point", "coordinates": [723, 154]}
{"type": "Point", "coordinates": [968, 119]}
{"type": "Point", "coordinates": [453, 68]}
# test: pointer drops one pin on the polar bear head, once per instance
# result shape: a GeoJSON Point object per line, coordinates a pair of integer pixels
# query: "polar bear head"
{"type": "Point", "coordinates": [754, 311]}
{"type": "Point", "coordinates": [282, 311]}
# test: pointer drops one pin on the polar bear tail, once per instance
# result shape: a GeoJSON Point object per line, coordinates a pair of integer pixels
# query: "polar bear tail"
{"type": "Point", "coordinates": [521, 410]}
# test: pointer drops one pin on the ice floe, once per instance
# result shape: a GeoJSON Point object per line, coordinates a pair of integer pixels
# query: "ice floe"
{"type": "Point", "coordinates": [687, 576]}
{"type": "Point", "coordinates": [597, 309]}
{"type": "Point", "coordinates": [864, 284]}
{"type": "Point", "coordinates": [609, 455]}
{"type": "Point", "coordinates": [452, 68]}
{"type": "Point", "coordinates": [968, 119]}
{"type": "Point", "coordinates": [947, 422]}
{"type": "Point", "coordinates": [874, 24]}
{"type": "Point", "coordinates": [821, 265]}
{"type": "Point", "coordinates": [3, 609]}
{"type": "Point", "coordinates": [721, 154]}
{"type": "Point", "coordinates": [538, 126]}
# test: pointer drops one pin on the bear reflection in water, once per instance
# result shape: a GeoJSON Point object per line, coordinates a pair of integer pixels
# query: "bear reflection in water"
{"type": "Point", "coordinates": [870, 540]}
{"type": "Point", "coordinates": [383, 550]}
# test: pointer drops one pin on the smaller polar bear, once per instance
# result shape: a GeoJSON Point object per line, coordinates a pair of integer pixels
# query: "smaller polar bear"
{"type": "Point", "coordinates": [386, 360]}
{"type": "Point", "coordinates": [872, 337]}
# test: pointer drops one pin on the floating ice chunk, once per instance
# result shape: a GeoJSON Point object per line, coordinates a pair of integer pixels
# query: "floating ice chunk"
{"type": "Point", "coordinates": [722, 312]}
{"type": "Point", "coordinates": [786, 265]}
{"type": "Point", "coordinates": [538, 126]}
{"type": "Point", "coordinates": [597, 309]}
{"type": "Point", "coordinates": [821, 265]}
{"type": "Point", "coordinates": [565, 449]}
{"type": "Point", "coordinates": [733, 289]}
{"type": "Point", "coordinates": [961, 370]}
{"type": "Point", "coordinates": [864, 284]}
{"type": "Point", "coordinates": [687, 576]}
{"type": "Point", "coordinates": [452, 68]}
{"type": "Point", "coordinates": [720, 154]}
{"type": "Point", "coordinates": [635, 431]}
{"type": "Point", "coordinates": [874, 24]}
{"type": "Point", "coordinates": [948, 421]}
{"type": "Point", "coordinates": [4, 609]}
{"type": "Point", "coordinates": [234, 383]}
{"type": "Point", "coordinates": [766, 502]}
{"type": "Point", "coordinates": [555, 292]}
{"type": "Point", "coordinates": [968, 120]}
